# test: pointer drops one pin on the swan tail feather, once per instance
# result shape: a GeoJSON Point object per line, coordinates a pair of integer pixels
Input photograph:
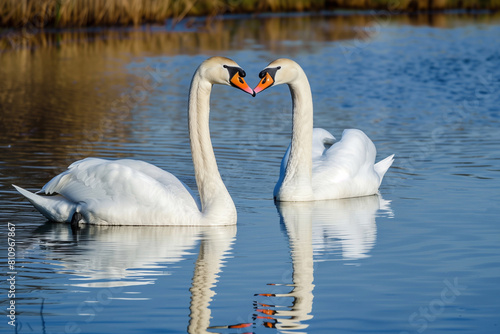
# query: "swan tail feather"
{"type": "Point", "coordinates": [381, 167]}
{"type": "Point", "coordinates": [55, 208]}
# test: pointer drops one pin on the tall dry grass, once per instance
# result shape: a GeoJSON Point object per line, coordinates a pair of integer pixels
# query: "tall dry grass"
{"type": "Point", "coordinates": [78, 13]}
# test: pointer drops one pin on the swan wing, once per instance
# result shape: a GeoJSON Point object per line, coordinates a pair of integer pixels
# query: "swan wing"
{"type": "Point", "coordinates": [123, 192]}
{"type": "Point", "coordinates": [162, 176]}
{"type": "Point", "coordinates": [347, 168]}
{"type": "Point", "coordinates": [347, 158]}
{"type": "Point", "coordinates": [320, 142]}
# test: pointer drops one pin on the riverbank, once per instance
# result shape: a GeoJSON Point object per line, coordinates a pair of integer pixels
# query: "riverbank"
{"type": "Point", "coordinates": [24, 14]}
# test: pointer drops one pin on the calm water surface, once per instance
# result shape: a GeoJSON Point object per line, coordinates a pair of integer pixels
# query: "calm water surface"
{"type": "Point", "coordinates": [423, 257]}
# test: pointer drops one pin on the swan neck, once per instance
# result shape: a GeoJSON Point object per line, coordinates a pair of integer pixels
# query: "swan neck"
{"type": "Point", "coordinates": [215, 199]}
{"type": "Point", "coordinates": [299, 168]}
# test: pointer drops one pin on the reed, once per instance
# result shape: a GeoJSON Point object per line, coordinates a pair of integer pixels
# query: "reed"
{"type": "Point", "coordinates": [78, 13]}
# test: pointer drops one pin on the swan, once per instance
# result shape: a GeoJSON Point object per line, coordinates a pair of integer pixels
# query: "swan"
{"type": "Point", "coordinates": [309, 170]}
{"type": "Point", "coordinates": [133, 192]}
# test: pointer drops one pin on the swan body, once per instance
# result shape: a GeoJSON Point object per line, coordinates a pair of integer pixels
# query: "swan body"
{"type": "Point", "coordinates": [310, 170]}
{"type": "Point", "coordinates": [133, 192]}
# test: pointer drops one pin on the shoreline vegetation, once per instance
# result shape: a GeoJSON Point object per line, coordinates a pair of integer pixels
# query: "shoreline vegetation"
{"type": "Point", "coordinates": [28, 25]}
{"type": "Point", "coordinates": [20, 14]}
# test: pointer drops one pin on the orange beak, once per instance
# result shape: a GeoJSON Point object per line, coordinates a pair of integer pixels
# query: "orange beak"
{"type": "Point", "coordinates": [266, 82]}
{"type": "Point", "coordinates": [238, 82]}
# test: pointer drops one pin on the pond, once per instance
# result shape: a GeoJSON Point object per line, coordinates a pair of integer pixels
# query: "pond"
{"type": "Point", "coordinates": [423, 256]}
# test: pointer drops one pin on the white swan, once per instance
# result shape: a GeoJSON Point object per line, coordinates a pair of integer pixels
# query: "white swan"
{"type": "Point", "coordinates": [309, 170]}
{"type": "Point", "coordinates": [132, 192]}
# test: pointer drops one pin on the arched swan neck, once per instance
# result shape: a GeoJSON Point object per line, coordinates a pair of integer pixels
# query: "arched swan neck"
{"type": "Point", "coordinates": [299, 168]}
{"type": "Point", "coordinates": [215, 199]}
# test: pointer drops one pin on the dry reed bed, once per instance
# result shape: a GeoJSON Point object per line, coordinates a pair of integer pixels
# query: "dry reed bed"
{"type": "Point", "coordinates": [79, 13]}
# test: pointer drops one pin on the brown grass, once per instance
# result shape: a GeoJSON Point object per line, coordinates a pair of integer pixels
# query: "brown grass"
{"type": "Point", "coordinates": [78, 13]}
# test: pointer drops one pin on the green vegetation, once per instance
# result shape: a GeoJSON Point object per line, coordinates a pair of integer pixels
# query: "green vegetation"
{"type": "Point", "coordinates": [78, 13]}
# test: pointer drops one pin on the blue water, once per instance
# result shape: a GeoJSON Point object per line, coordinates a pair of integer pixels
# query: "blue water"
{"type": "Point", "coordinates": [422, 257]}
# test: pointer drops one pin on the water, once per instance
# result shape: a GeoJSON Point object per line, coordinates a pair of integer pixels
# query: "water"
{"type": "Point", "coordinates": [423, 257]}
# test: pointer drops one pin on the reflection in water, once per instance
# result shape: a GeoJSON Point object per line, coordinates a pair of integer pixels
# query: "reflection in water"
{"type": "Point", "coordinates": [121, 256]}
{"type": "Point", "coordinates": [115, 256]}
{"type": "Point", "coordinates": [346, 226]}
{"type": "Point", "coordinates": [312, 227]}
{"type": "Point", "coordinates": [207, 267]}
{"type": "Point", "coordinates": [196, 36]}
{"type": "Point", "coordinates": [217, 34]}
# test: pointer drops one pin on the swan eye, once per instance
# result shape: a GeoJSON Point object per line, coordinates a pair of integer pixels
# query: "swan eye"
{"type": "Point", "coordinates": [233, 70]}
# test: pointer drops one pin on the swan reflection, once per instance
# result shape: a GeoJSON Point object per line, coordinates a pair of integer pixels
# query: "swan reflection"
{"type": "Point", "coordinates": [315, 231]}
{"type": "Point", "coordinates": [121, 256]}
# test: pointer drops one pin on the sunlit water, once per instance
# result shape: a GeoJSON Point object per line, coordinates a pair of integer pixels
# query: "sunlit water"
{"type": "Point", "coordinates": [423, 257]}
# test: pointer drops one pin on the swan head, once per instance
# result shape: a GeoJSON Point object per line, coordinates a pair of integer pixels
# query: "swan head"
{"type": "Point", "coordinates": [280, 71]}
{"type": "Point", "coordinates": [224, 71]}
